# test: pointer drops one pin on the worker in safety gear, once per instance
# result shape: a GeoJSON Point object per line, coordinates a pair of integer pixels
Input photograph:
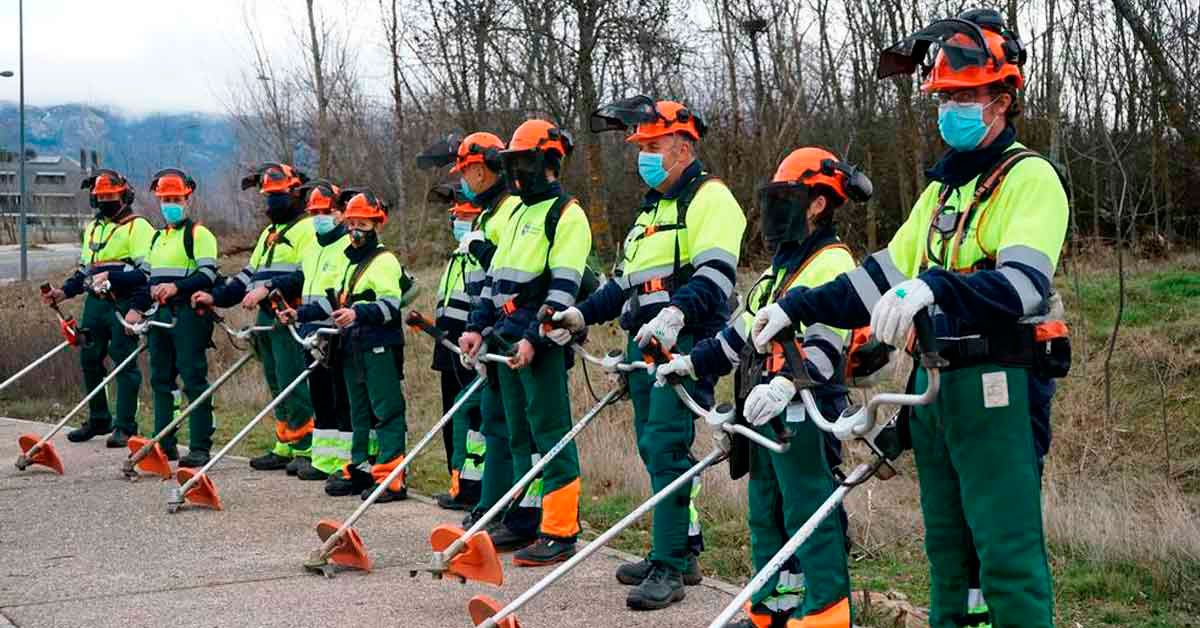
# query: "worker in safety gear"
{"type": "Point", "coordinates": [368, 297]}
{"type": "Point", "coordinates": [673, 285]}
{"type": "Point", "coordinates": [111, 266]}
{"type": "Point", "coordinates": [281, 246]}
{"type": "Point", "coordinates": [978, 252]}
{"type": "Point", "coordinates": [476, 159]}
{"type": "Point", "coordinates": [797, 210]}
{"type": "Point", "coordinates": [465, 446]}
{"type": "Point", "coordinates": [539, 262]}
{"type": "Point", "coordinates": [332, 432]}
{"type": "Point", "coordinates": [181, 262]}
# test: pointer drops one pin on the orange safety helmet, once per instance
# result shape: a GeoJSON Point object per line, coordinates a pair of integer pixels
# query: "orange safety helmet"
{"type": "Point", "coordinates": [973, 49]}
{"type": "Point", "coordinates": [274, 178]}
{"type": "Point", "coordinates": [172, 182]}
{"type": "Point", "coordinates": [944, 76]}
{"type": "Point", "coordinates": [672, 118]}
{"type": "Point", "coordinates": [107, 181]}
{"type": "Point", "coordinates": [321, 197]}
{"type": "Point", "coordinates": [465, 210]}
{"type": "Point", "coordinates": [812, 166]}
{"type": "Point", "coordinates": [540, 135]}
{"type": "Point", "coordinates": [479, 148]}
{"type": "Point", "coordinates": [362, 203]}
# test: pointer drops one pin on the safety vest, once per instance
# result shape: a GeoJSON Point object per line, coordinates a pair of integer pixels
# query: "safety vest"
{"type": "Point", "coordinates": [171, 258]}
{"type": "Point", "coordinates": [115, 245]}
{"type": "Point", "coordinates": [452, 300]}
{"type": "Point", "coordinates": [526, 266]}
{"type": "Point", "coordinates": [492, 222]}
{"type": "Point", "coordinates": [322, 269]}
{"type": "Point", "coordinates": [676, 237]}
{"type": "Point", "coordinates": [279, 251]}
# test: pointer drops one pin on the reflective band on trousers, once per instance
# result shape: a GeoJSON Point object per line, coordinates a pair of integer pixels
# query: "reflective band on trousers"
{"type": "Point", "coordinates": [473, 464]}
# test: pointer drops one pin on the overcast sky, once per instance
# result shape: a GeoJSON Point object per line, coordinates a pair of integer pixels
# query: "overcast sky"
{"type": "Point", "coordinates": [148, 55]}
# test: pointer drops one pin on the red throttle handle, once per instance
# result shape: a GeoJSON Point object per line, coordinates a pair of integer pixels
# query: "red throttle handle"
{"type": "Point", "coordinates": [545, 316]}
{"type": "Point", "coordinates": [278, 301]}
{"type": "Point", "coordinates": [655, 353]}
{"type": "Point", "coordinates": [418, 322]}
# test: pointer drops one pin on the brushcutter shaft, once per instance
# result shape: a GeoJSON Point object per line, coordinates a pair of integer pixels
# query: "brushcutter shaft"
{"type": "Point", "coordinates": [602, 540]}
{"type": "Point", "coordinates": [248, 428]}
{"type": "Point", "coordinates": [332, 541]}
{"type": "Point", "coordinates": [208, 392]}
{"type": "Point", "coordinates": [791, 546]}
{"type": "Point", "coordinates": [32, 365]}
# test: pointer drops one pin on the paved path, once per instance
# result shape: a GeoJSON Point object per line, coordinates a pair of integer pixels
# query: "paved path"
{"type": "Point", "coordinates": [91, 549]}
{"type": "Point", "coordinates": [45, 261]}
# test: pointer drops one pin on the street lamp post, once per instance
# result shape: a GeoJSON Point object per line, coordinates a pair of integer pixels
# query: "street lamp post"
{"type": "Point", "coordinates": [21, 219]}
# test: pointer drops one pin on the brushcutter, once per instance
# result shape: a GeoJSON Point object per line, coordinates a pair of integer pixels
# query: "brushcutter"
{"type": "Point", "coordinates": [41, 451]}
{"type": "Point", "coordinates": [196, 486]}
{"type": "Point", "coordinates": [485, 611]}
{"type": "Point", "coordinates": [854, 423]}
{"type": "Point", "coordinates": [341, 545]}
{"type": "Point", "coordinates": [147, 454]}
{"type": "Point", "coordinates": [72, 335]}
{"type": "Point", "coordinates": [469, 554]}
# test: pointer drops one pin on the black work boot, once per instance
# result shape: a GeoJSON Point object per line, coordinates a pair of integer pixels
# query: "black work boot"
{"type": "Point", "coordinates": [506, 540]}
{"type": "Point", "coordinates": [88, 431]}
{"type": "Point", "coordinates": [662, 588]}
{"type": "Point", "coordinates": [349, 481]}
{"type": "Point", "coordinates": [194, 459]}
{"type": "Point", "coordinates": [545, 551]}
{"type": "Point", "coordinates": [311, 474]}
{"type": "Point", "coordinates": [388, 495]}
{"type": "Point", "coordinates": [447, 502]}
{"type": "Point", "coordinates": [118, 439]}
{"type": "Point", "coordinates": [269, 461]}
{"type": "Point", "coordinates": [759, 616]}
{"type": "Point", "coordinates": [293, 466]}
{"type": "Point", "coordinates": [171, 452]}
{"type": "Point", "coordinates": [632, 574]}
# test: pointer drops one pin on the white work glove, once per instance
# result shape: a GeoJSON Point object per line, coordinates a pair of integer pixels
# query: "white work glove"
{"type": "Point", "coordinates": [665, 327]}
{"type": "Point", "coordinates": [464, 245]}
{"type": "Point", "coordinates": [892, 318]}
{"type": "Point", "coordinates": [570, 321]}
{"type": "Point", "coordinates": [767, 323]}
{"type": "Point", "coordinates": [768, 400]}
{"type": "Point", "coordinates": [680, 365]}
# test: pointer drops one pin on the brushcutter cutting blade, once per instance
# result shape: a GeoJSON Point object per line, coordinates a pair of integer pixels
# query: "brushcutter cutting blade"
{"type": "Point", "coordinates": [349, 550]}
{"type": "Point", "coordinates": [477, 561]}
{"type": "Point", "coordinates": [482, 608]}
{"type": "Point", "coordinates": [45, 455]}
{"type": "Point", "coordinates": [202, 493]}
{"type": "Point", "coordinates": [155, 461]}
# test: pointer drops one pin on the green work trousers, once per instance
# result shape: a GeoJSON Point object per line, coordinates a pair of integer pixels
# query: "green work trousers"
{"type": "Point", "coordinates": [106, 337]}
{"type": "Point", "coordinates": [373, 383]}
{"type": "Point", "coordinates": [785, 490]}
{"type": "Point", "coordinates": [981, 492]}
{"type": "Point", "coordinates": [665, 430]}
{"type": "Point", "coordinates": [181, 352]}
{"type": "Point", "coordinates": [468, 455]}
{"type": "Point", "coordinates": [283, 360]}
{"type": "Point", "coordinates": [537, 407]}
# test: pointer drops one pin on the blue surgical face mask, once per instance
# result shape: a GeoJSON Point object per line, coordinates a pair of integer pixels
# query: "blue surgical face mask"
{"type": "Point", "coordinates": [461, 229]}
{"type": "Point", "coordinates": [961, 124]}
{"type": "Point", "coordinates": [467, 192]}
{"type": "Point", "coordinates": [173, 213]}
{"type": "Point", "coordinates": [650, 166]}
{"type": "Point", "coordinates": [324, 223]}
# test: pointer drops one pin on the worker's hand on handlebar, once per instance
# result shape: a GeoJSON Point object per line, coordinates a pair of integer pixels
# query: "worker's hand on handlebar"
{"type": "Point", "coordinates": [680, 366]}
{"type": "Point", "coordinates": [563, 325]}
{"type": "Point", "coordinates": [286, 316]}
{"type": "Point", "coordinates": [664, 328]}
{"type": "Point", "coordinates": [523, 356]}
{"type": "Point", "coordinates": [768, 400]}
{"type": "Point", "coordinates": [133, 317]}
{"type": "Point", "coordinates": [163, 292]}
{"type": "Point", "coordinates": [52, 296]}
{"type": "Point", "coordinates": [254, 297]}
{"type": "Point", "coordinates": [469, 343]}
{"type": "Point", "coordinates": [892, 318]}
{"type": "Point", "coordinates": [201, 299]}
{"type": "Point", "coordinates": [344, 317]}
{"type": "Point", "coordinates": [767, 323]}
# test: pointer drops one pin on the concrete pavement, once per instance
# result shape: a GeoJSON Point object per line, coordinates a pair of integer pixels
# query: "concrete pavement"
{"type": "Point", "coordinates": [92, 549]}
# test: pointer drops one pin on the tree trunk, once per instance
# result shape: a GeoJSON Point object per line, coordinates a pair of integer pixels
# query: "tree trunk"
{"type": "Point", "coordinates": [322, 95]}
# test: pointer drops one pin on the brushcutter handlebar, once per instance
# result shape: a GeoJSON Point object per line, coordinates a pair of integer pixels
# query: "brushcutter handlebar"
{"type": "Point", "coordinates": [245, 332]}
{"type": "Point", "coordinates": [614, 361]}
{"type": "Point", "coordinates": [421, 323]}
{"type": "Point", "coordinates": [140, 328]}
{"type": "Point", "coordinates": [723, 416]}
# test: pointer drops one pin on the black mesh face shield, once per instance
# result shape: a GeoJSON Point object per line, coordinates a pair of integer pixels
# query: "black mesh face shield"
{"type": "Point", "coordinates": [623, 115]}
{"type": "Point", "coordinates": [919, 50]}
{"type": "Point", "coordinates": [440, 154]}
{"type": "Point", "coordinates": [782, 212]}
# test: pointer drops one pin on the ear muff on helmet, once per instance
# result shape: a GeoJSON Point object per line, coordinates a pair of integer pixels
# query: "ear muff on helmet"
{"type": "Point", "coordinates": [990, 19]}
{"type": "Point", "coordinates": [857, 185]}
{"type": "Point", "coordinates": [165, 181]}
{"type": "Point", "coordinates": [106, 181]}
{"type": "Point", "coordinates": [564, 137]}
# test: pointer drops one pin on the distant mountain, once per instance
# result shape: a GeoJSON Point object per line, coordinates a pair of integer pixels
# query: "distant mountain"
{"type": "Point", "coordinates": [202, 144]}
